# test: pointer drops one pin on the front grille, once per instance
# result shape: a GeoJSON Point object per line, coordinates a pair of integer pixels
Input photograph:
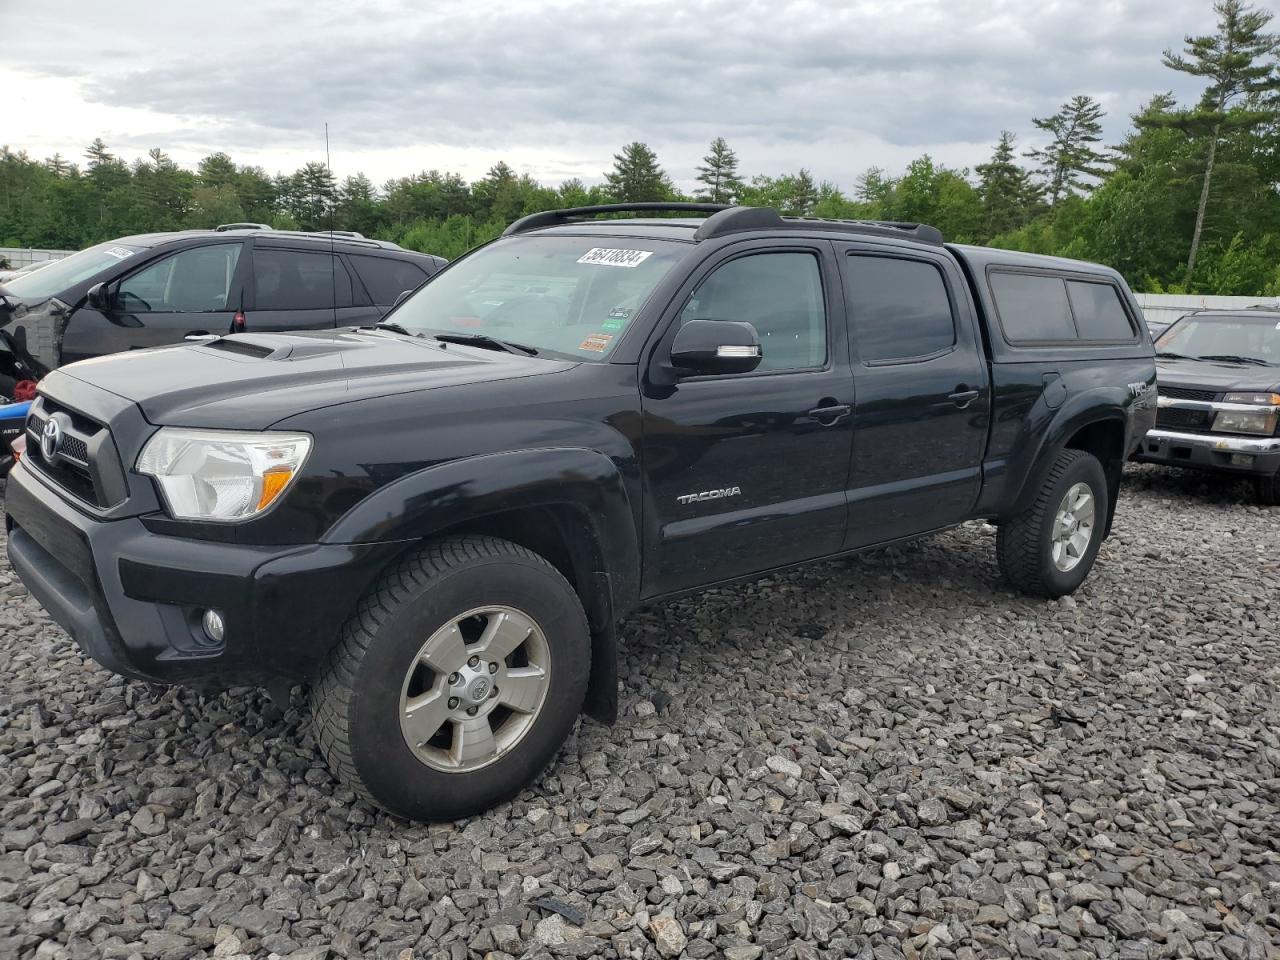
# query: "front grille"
{"type": "Point", "coordinates": [1172, 418]}
{"type": "Point", "coordinates": [1187, 393]}
{"type": "Point", "coordinates": [72, 467]}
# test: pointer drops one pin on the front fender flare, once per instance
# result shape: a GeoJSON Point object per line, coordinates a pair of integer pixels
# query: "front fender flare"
{"type": "Point", "coordinates": [447, 495]}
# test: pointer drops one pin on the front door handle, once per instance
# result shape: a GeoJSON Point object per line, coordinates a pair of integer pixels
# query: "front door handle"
{"type": "Point", "coordinates": [963, 396]}
{"type": "Point", "coordinates": [830, 414]}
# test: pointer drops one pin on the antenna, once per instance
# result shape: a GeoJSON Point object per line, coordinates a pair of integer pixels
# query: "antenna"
{"type": "Point", "coordinates": [333, 256]}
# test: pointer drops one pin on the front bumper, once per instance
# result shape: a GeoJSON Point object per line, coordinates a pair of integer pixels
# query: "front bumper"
{"type": "Point", "coordinates": [1222, 452]}
{"type": "Point", "coordinates": [132, 599]}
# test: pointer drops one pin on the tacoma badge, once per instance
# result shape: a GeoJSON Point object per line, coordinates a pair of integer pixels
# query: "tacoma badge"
{"type": "Point", "coordinates": [709, 495]}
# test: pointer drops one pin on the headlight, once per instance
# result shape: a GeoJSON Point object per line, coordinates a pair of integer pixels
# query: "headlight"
{"type": "Point", "coordinates": [1260, 399]}
{"type": "Point", "coordinates": [222, 474]}
{"type": "Point", "coordinates": [1232, 421]}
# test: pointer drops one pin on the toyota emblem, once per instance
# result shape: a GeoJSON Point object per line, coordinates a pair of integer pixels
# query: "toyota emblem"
{"type": "Point", "coordinates": [51, 439]}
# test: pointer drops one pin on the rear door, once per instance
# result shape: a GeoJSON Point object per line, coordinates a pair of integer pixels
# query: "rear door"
{"type": "Point", "coordinates": [746, 472]}
{"type": "Point", "coordinates": [300, 289]}
{"type": "Point", "coordinates": [923, 410]}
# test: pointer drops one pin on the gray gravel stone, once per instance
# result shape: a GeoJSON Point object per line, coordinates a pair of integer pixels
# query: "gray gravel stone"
{"type": "Point", "coordinates": [884, 756]}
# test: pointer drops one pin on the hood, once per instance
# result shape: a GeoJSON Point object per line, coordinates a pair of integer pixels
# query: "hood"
{"type": "Point", "coordinates": [250, 381]}
{"type": "Point", "coordinates": [1218, 375]}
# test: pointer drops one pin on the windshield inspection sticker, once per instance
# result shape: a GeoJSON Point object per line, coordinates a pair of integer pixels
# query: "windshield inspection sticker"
{"type": "Point", "coordinates": [118, 252]}
{"type": "Point", "coordinates": [596, 343]}
{"type": "Point", "coordinates": [609, 257]}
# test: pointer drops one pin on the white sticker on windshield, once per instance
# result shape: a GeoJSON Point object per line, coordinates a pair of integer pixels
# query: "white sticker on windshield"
{"type": "Point", "coordinates": [118, 252]}
{"type": "Point", "coordinates": [609, 257]}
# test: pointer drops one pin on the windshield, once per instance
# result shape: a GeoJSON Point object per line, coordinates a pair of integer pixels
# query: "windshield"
{"type": "Point", "coordinates": [563, 296]}
{"type": "Point", "coordinates": [58, 276]}
{"type": "Point", "coordinates": [1251, 338]}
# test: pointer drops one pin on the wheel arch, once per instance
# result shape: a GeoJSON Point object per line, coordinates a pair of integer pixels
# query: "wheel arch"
{"type": "Point", "coordinates": [568, 505]}
{"type": "Point", "coordinates": [1100, 429]}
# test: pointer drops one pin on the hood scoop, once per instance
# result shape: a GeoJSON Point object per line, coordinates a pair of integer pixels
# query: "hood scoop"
{"type": "Point", "coordinates": [244, 349]}
{"type": "Point", "coordinates": [269, 347]}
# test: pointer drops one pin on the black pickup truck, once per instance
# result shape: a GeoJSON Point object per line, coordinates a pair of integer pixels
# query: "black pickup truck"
{"type": "Point", "coordinates": [436, 523]}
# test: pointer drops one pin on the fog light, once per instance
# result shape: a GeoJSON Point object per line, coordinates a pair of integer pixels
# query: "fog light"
{"type": "Point", "coordinates": [1242, 460]}
{"type": "Point", "coordinates": [214, 627]}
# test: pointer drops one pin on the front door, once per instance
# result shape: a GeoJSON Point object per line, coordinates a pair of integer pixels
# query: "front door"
{"type": "Point", "coordinates": [191, 292]}
{"type": "Point", "coordinates": [924, 401]}
{"type": "Point", "coordinates": [746, 472]}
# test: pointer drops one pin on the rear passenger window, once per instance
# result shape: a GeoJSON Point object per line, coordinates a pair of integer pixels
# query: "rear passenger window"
{"type": "Point", "coordinates": [1032, 308]}
{"type": "Point", "coordinates": [1098, 311]}
{"type": "Point", "coordinates": [386, 278]}
{"type": "Point", "coordinates": [298, 280]}
{"type": "Point", "coordinates": [899, 309]}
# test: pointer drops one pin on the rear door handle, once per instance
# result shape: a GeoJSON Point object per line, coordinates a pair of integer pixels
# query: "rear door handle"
{"type": "Point", "coordinates": [835, 412]}
{"type": "Point", "coordinates": [963, 396]}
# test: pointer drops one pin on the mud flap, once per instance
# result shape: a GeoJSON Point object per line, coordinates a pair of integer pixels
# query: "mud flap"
{"type": "Point", "coordinates": [601, 702]}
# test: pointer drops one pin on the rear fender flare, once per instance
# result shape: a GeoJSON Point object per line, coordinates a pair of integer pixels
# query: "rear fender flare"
{"type": "Point", "coordinates": [1094, 406]}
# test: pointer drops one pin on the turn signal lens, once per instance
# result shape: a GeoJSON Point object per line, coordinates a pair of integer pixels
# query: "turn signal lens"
{"type": "Point", "coordinates": [273, 483]}
{"type": "Point", "coordinates": [1259, 399]}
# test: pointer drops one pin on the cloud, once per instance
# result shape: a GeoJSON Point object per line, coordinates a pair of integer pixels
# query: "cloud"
{"type": "Point", "coordinates": [556, 87]}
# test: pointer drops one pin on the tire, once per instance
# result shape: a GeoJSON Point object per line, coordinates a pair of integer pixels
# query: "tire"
{"type": "Point", "coordinates": [1266, 489]}
{"type": "Point", "coordinates": [398, 649]}
{"type": "Point", "coordinates": [1025, 543]}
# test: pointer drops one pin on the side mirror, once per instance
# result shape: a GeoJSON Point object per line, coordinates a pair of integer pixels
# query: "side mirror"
{"type": "Point", "coordinates": [716, 346]}
{"type": "Point", "coordinates": [98, 297]}
{"type": "Point", "coordinates": [404, 295]}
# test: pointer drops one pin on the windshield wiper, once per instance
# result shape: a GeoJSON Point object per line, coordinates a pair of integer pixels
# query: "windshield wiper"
{"type": "Point", "coordinates": [485, 341]}
{"type": "Point", "coordinates": [1233, 358]}
{"type": "Point", "coordinates": [1174, 356]}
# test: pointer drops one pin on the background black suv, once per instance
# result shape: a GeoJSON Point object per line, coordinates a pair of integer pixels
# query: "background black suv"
{"type": "Point", "coordinates": [159, 288]}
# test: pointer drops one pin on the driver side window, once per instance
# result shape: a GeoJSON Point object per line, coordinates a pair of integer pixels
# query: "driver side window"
{"type": "Point", "coordinates": [191, 281]}
{"type": "Point", "coordinates": [780, 294]}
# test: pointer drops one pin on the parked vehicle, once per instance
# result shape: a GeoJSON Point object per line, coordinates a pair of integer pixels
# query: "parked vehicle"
{"type": "Point", "coordinates": [7, 275]}
{"type": "Point", "coordinates": [1219, 383]}
{"type": "Point", "coordinates": [160, 288]}
{"type": "Point", "coordinates": [437, 524]}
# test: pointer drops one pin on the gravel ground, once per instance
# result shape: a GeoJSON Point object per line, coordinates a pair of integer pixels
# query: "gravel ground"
{"type": "Point", "coordinates": [887, 756]}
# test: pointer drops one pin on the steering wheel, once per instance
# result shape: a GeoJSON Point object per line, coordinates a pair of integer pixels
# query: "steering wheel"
{"type": "Point", "coordinates": [126, 296]}
{"type": "Point", "coordinates": [537, 309]}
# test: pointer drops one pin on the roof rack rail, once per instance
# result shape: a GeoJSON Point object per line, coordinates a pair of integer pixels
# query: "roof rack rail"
{"type": "Point", "coordinates": [550, 218]}
{"type": "Point", "coordinates": [224, 227]}
{"type": "Point", "coordinates": [922, 232]}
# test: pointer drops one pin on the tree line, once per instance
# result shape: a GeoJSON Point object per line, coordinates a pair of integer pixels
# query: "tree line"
{"type": "Point", "coordinates": [1188, 201]}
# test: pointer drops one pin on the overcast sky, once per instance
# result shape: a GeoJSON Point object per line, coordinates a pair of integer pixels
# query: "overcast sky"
{"type": "Point", "coordinates": [555, 88]}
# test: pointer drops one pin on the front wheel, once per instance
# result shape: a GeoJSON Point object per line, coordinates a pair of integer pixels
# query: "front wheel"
{"type": "Point", "coordinates": [1049, 548]}
{"type": "Point", "coordinates": [456, 681]}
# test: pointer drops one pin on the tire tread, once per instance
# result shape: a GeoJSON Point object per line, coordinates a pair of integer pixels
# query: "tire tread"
{"type": "Point", "coordinates": [333, 694]}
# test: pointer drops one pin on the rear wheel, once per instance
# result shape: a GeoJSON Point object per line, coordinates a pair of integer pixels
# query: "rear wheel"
{"type": "Point", "coordinates": [1266, 489]}
{"type": "Point", "coordinates": [456, 681]}
{"type": "Point", "coordinates": [1050, 547]}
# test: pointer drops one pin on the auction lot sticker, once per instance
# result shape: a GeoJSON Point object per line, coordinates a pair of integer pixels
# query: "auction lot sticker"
{"type": "Point", "coordinates": [610, 257]}
{"type": "Point", "coordinates": [596, 343]}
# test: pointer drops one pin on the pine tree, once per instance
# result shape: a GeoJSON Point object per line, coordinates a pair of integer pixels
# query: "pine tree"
{"type": "Point", "coordinates": [719, 174]}
{"type": "Point", "coordinates": [58, 166]}
{"type": "Point", "coordinates": [1005, 188]}
{"type": "Point", "coordinates": [800, 194]}
{"type": "Point", "coordinates": [636, 176]}
{"type": "Point", "coordinates": [97, 154]}
{"type": "Point", "coordinates": [1070, 155]}
{"type": "Point", "coordinates": [1237, 62]}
